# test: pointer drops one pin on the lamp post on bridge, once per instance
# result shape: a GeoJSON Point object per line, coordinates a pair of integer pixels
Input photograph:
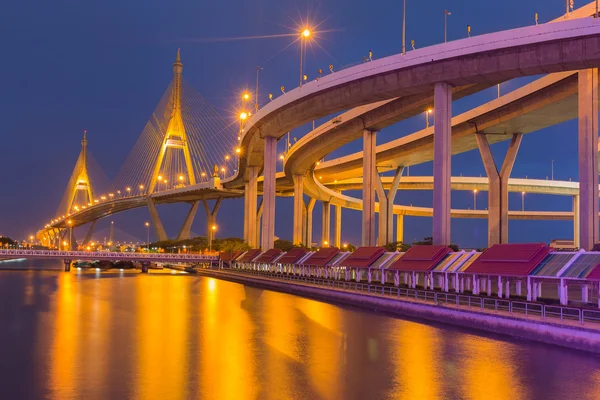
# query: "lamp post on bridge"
{"type": "Point", "coordinates": [258, 68]}
{"type": "Point", "coordinates": [70, 223]}
{"type": "Point", "coordinates": [147, 224]}
{"type": "Point", "coordinates": [305, 34]}
{"type": "Point", "coordinates": [552, 175]}
{"type": "Point", "coordinates": [210, 240]}
{"type": "Point", "coordinates": [446, 13]}
{"type": "Point", "coordinates": [522, 201]}
{"type": "Point", "coordinates": [474, 199]}
{"type": "Point", "coordinates": [404, 28]}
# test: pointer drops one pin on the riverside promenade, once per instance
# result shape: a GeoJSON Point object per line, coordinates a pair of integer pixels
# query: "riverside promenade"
{"type": "Point", "coordinates": [568, 327]}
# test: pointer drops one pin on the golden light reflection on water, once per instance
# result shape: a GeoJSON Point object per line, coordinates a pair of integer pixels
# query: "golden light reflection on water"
{"type": "Point", "coordinates": [415, 348]}
{"type": "Point", "coordinates": [161, 336]}
{"type": "Point", "coordinates": [189, 337]}
{"type": "Point", "coordinates": [488, 369]}
{"type": "Point", "coordinates": [227, 363]}
{"type": "Point", "coordinates": [65, 346]}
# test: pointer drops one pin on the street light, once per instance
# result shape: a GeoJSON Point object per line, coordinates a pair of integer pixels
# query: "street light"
{"type": "Point", "coordinates": [552, 169]}
{"type": "Point", "coordinates": [522, 201]}
{"type": "Point", "coordinates": [446, 13]}
{"type": "Point", "coordinates": [429, 111]}
{"type": "Point", "coordinates": [304, 35]}
{"type": "Point", "coordinates": [256, 92]}
{"type": "Point", "coordinates": [404, 28]}
{"type": "Point", "coordinates": [474, 199]}
{"type": "Point", "coordinates": [147, 224]}
{"type": "Point", "coordinates": [70, 223]}
{"type": "Point", "coordinates": [213, 229]}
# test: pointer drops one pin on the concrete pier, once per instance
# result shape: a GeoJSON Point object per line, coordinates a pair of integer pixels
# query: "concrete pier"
{"type": "Point", "coordinates": [588, 157]}
{"type": "Point", "coordinates": [442, 153]}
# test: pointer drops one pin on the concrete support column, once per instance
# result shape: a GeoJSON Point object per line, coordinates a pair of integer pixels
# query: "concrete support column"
{"type": "Point", "coordinates": [498, 187]}
{"type": "Point", "coordinates": [211, 219]}
{"type": "Point", "coordinates": [588, 157]}
{"type": "Point", "coordinates": [250, 202]}
{"type": "Point", "coordinates": [442, 152]}
{"type": "Point", "coordinates": [268, 220]}
{"type": "Point", "coordinates": [184, 233]}
{"type": "Point", "coordinates": [337, 227]}
{"type": "Point", "coordinates": [576, 218]}
{"type": "Point", "coordinates": [161, 235]}
{"type": "Point", "coordinates": [90, 232]}
{"type": "Point", "coordinates": [326, 224]}
{"type": "Point", "coordinates": [298, 208]}
{"type": "Point", "coordinates": [386, 207]}
{"type": "Point", "coordinates": [585, 293]}
{"type": "Point", "coordinates": [369, 172]}
{"type": "Point", "coordinates": [259, 213]}
{"type": "Point", "coordinates": [400, 228]}
{"type": "Point", "coordinates": [309, 225]}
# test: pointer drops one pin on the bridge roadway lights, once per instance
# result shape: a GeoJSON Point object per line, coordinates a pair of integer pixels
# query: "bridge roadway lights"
{"type": "Point", "coordinates": [498, 186]}
{"type": "Point", "coordinates": [588, 157]}
{"type": "Point", "coordinates": [67, 265]}
{"type": "Point", "coordinates": [442, 152]}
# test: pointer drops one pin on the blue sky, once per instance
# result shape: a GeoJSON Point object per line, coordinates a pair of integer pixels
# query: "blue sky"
{"type": "Point", "coordinates": [103, 66]}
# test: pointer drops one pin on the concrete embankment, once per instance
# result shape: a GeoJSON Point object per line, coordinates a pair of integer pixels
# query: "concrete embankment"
{"type": "Point", "coordinates": [567, 334]}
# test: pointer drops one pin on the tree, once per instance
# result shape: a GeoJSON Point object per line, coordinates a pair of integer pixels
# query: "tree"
{"type": "Point", "coordinates": [284, 245]}
{"type": "Point", "coordinates": [397, 246]}
{"type": "Point", "coordinates": [230, 244]}
{"type": "Point", "coordinates": [428, 241]}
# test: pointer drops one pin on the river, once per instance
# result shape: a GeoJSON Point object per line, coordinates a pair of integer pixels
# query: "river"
{"type": "Point", "coordinates": [120, 335]}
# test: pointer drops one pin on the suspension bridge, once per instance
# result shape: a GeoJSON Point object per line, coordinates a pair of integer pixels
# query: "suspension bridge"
{"type": "Point", "coordinates": [188, 153]}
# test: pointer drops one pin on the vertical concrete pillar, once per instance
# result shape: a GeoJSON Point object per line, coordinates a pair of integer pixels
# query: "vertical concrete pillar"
{"type": "Point", "coordinates": [588, 157]}
{"type": "Point", "coordinates": [576, 218]}
{"type": "Point", "coordinates": [90, 232]}
{"type": "Point", "coordinates": [268, 222]}
{"type": "Point", "coordinates": [391, 196]}
{"type": "Point", "coordinates": [400, 228]}
{"type": "Point", "coordinates": [442, 152]}
{"type": "Point", "coordinates": [309, 225]}
{"type": "Point", "coordinates": [585, 292]}
{"type": "Point", "coordinates": [259, 213]}
{"type": "Point", "coordinates": [337, 226]}
{"type": "Point", "coordinates": [251, 198]}
{"type": "Point", "coordinates": [382, 203]}
{"type": "Point", "coordinates": [498, 187]}
{"type": "Point", "coordinates": [326, 224]}
{"type": "Point", "coordinates": [211, 218]}
{"type": "Point", "coordinates": [184, 232]}
{"type": "Point", "coordinates": [298, 208]}
{"type": "Point", "coordinates": [161, 235]}
{"type": "Point", "coordinates": [369, 172]}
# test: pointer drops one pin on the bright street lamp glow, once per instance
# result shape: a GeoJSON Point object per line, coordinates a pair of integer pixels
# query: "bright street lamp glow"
{"type": "Point", "coordinates": [180, 177]}
{"type": "Point", "coordinates": [243, 116]}
{"type": "Point", "coordinates": [246, 96]}
{"type": "Point", "coordinates": [306, 33]}
{"type": "Point", "coordinates": [238, 150]}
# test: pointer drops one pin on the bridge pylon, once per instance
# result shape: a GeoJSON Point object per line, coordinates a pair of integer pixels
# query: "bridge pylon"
{"type": "Point", "coordinates": [175, 135]}
{"type": "Point", "coordinates": [82, 181]}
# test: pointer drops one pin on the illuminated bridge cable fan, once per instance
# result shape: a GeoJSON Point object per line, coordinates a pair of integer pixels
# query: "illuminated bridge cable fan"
{"type": "Point", "coordinates": [87, 181]}
{"type": "Point", "coordinates": [181, 143]}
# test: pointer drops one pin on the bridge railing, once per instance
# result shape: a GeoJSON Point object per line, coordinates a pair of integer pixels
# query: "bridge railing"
{"type": "Point", "coordinates": [86, 255]}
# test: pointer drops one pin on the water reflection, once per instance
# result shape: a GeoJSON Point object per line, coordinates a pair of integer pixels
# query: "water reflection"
{"type": "Point", "coordinates": [127, 335]}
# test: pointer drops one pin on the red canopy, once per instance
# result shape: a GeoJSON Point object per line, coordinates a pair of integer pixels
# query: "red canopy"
{"type": "Point", "coordinates": [322, 257]}
{"type": "Point", "coordinates": [516, 259]}
{"type": "Point", "coordinates": [268, 256]}
{"type": "Point", "coordinates": [250, 255]}
{"type": "Point", "coordinates": [229, 255]}
{"type": "Point", "coordinates": [421, 258]}
{"type": "Point", "coordinates": [293, 256]}
{"type": "Point", "coordinates": [363, 257]}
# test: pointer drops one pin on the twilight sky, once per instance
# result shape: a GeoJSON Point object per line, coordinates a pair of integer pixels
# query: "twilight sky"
{"type": "Point", "coordinates": [103, 66]}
